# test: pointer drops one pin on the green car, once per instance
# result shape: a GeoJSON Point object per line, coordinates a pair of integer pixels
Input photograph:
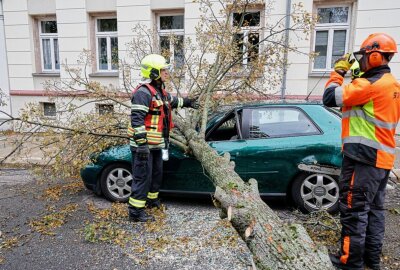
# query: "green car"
{"type": "Point", "coordinates": [292, 149]}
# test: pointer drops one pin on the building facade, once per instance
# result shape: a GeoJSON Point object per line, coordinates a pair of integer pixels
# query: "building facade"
{"type": "Point", "coordinates": [5, 102]}
{"type": "Point", "coordinates": [42, 35]}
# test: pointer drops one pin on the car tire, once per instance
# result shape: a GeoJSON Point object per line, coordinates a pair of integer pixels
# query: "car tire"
{"type": "Point", "coordinates": [116, 182]}
{"type": "Point", "coordinates": [315, 192]}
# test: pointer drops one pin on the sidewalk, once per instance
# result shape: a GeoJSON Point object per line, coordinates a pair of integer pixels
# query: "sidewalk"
{"type": "Point", "coordinates": [28, 154]}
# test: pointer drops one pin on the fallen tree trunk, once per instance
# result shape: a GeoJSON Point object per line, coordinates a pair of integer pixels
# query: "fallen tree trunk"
{"type": "Point", "coordinates": [273, 243]}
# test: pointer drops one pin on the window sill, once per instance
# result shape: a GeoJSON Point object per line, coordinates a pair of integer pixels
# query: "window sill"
{"type": "Point", "coordinates": [48, 117]}
{"type": "Point", "coordinates": [104, 74]}
{"type": "Point", "coordinates": [46, 74]}
{"type": "Point", "coordinates": [324, 74]}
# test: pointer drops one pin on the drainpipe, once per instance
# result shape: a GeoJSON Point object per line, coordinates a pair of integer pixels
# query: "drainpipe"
{"type": "Point", "coordinates": [285, 56]}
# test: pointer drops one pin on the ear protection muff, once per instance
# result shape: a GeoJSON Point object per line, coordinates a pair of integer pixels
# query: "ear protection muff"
{"type": "Point", "coordinates": [154, 74]}
{"type": "Point", "coordinates": [375, 59]}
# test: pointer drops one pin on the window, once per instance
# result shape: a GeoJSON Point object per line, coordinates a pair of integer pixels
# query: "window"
{"type": "Point", "coordinates": [228, 129]}
{"type": "Point", "coordinates": [105, 108]}
{"type": "Point", "coordinates": [331, 35]}
{"type": "Point", "coordinates": [49, 46]}
{"type": "Point", "coordinates": [171, 37]}
{"type": "Point", "coordinates": [49, 109]}
{"type": "Point", "coordinates": [107, 44]}
{"type": "Point", "coordinates": [279, 122]}
{"type": "Point", "coordinates": [248, 37]}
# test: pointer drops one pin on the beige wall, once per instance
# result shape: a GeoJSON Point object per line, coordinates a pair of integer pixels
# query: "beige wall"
{"type": "Point", "coordinates": [76, 32]}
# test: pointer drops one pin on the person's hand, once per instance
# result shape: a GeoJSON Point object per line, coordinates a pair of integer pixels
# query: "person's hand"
{"type": "Point", "coordinates": [194, 103]}
{"type": "Point", "coordinates": [342, 65]}
{"type": "Point", "coordinates": [143, 152]}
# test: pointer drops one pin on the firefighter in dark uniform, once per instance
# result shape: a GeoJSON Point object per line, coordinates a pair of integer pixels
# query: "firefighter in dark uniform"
{"type": "Point", "coordinates": [149, 133]}
{"type": "Point", "coordinates": [370, 112]}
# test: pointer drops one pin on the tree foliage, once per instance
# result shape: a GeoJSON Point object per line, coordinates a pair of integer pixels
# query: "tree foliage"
{"type": "Point", "coordinates": [228, 59]}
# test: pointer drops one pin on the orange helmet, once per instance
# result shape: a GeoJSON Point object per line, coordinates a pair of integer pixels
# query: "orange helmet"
{"type": "Point", "coordinates": [379, 42]}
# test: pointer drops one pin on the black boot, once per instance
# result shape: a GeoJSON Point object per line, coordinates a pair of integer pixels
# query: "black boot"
{"type": "Point", "coordinates": [153, 203]}
{"type": "Point", "coordinates": [339, 265]}
{"type": "Point", "coordinates": [139, 215]}
{"type": "Point", "coordinates": [373, 266]}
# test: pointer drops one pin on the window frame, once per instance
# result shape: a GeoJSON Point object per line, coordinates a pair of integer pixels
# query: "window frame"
{"type": "Point", "coordinates": [100, 108]}
{"type": "Point", "coordinates": [43, 103]}
{"type": "Point", "coordinates": [169, 32]}
{"type": "Point", "coordinates": [51, 37]}
{"type": "Point", "coordinates": [331, 27]}
{"type": "Point", "coordinates": [108, 35]}
{"type": "Point", "coordinates": [247, 30]}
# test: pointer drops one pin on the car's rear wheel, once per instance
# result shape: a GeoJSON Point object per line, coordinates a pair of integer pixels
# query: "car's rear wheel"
{"type": "Point", "coordinates": [116, 182]}
{"type": "Point", "coordinates": [316, 191]}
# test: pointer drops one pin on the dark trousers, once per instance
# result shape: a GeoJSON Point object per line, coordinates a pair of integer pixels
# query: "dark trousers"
{"type": "Point", "coordinates": [362, 196]}
{"type": "Point", "coordinates": [147, 177]}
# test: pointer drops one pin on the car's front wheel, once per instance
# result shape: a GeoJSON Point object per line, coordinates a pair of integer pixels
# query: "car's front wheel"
{"type": "Point", "coordinates": [316, 191]}
{"type": "Point", "coordinates": [116, 182]}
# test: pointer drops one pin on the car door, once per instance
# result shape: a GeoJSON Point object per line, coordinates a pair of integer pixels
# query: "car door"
{"type": "Point", "coordinates": [278, 139]}
{"type": "Point", "coordinates": [226, 137]}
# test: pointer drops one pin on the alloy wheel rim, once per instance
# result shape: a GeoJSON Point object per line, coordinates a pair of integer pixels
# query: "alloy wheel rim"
{"type": "Point", "coordinates": [319, 191]}
{"type": "Point", "coordinates": [119, 183]}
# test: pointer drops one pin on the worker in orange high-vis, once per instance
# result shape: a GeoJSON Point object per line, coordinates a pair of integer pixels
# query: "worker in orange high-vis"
{"type": "Point", "coordinates": [149, 134]}
{"type": "Point", "coordinates": [370, 112]}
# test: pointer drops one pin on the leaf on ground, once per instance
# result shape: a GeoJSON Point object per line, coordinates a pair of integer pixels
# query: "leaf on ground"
{"type": "Point", "coordinates": [104, 231]}
{"type": "Point", "coordinates": [48, 223]}
{"type": "Point", "coordinates": [54, 193]}
{"type": "Point", "coordinates": [395, 211]}
{"type": "Point", "coordinates": [9, 243]}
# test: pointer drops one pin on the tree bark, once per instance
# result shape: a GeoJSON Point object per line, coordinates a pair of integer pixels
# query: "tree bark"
{"type": "Point", "coordinates": [273, 243]}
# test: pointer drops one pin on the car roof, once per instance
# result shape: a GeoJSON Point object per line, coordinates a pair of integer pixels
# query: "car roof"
{"type": "Point", "coordinates": [260, 103]}
{"type": "Point", "coordinates": [224, 109]}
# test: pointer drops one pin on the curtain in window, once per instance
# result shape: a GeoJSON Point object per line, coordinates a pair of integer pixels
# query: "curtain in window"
{"type": "Point", "coordinates": [321, 47]}
{"type": "Point", "coordinates": [339, 45]}
{"type": "Point", "coordinates": [46, 54]}
{"type": "Point", "coordinates": [103, 63]}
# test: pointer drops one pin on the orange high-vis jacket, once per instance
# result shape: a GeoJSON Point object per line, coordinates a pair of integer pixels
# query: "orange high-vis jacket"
{"type": "Point", "coordinates": [370, 113]}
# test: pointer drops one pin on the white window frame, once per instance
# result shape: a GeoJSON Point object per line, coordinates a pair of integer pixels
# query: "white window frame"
{"type": "Point", "coordinates": [107, 35]}
{"type": "Point", "coordinates": [52, 37]}
{"type": "Point", "coordinates": [331, 27]}
{"type": "Point", "coordinates": [247, 30]}
{"type": "Point", "coordinates": [169, 32]}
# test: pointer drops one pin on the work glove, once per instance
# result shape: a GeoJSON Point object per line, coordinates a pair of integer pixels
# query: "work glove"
{"type": "Point", "coordinates": [194, 103]}
{"type": "Point", "coordinates": [191, 103]}
{"type": "Point", "coordinates": [143, 152]}
{"type": "Point", "coordinates": [343, 64]}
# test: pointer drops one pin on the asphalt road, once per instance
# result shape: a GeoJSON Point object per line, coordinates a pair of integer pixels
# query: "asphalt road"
{"type": "Point", "coordinates": [190, 236]}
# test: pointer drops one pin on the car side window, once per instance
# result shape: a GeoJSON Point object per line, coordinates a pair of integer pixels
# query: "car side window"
{"type": "Point", "coordinates": [280, 122]}
{"type": "Point", "coordinates": [226, 130]}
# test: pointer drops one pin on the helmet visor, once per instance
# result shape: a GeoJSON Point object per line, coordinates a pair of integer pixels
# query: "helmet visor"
{"type": "Point", "coordinates": [359, 55]}
{"type": "Point", "coordinates": [167, 67]}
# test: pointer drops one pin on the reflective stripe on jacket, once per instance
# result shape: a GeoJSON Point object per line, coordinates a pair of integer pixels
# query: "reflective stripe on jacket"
{"type": "Point", "coordinates": [370, 113]}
